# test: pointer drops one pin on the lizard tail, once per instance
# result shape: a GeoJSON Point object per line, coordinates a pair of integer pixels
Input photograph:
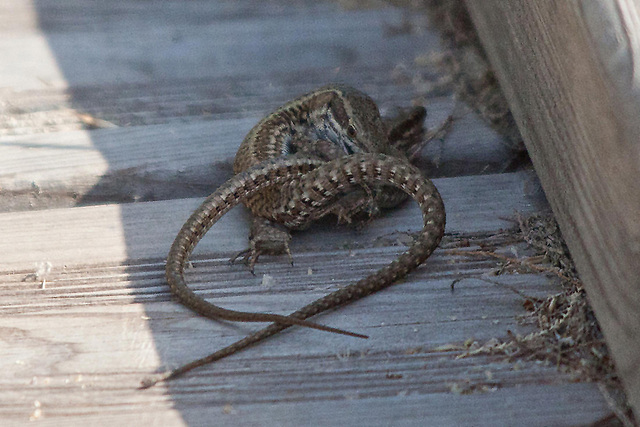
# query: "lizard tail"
{"type": "Point", "coordinates": [320, 185]}
{"type": "Point", "coordinates": [237, 189]}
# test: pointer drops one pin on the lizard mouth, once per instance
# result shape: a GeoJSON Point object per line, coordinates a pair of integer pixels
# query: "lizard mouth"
{"type": "Point", "coordinates": [329, 132]}
{"type": "Point", "coordinates": [349, 148]}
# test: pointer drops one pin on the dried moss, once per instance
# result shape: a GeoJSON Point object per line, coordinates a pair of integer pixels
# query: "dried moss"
{"type": "Point", "coordinates": [468, 67]}
{"type": "Point", "coordinates": [567, 333]}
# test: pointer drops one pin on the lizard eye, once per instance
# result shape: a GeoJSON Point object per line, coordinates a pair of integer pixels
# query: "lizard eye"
{"type": "Point", "coordinates": [351, 131]}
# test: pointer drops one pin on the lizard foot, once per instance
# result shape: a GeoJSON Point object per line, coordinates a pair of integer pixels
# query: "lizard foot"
{"type": "Point", "coordinates": [265, 237]}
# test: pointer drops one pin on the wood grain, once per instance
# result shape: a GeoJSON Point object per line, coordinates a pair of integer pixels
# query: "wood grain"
{"type": "Point", "coordinates": [184, 81]}
{"type": "Point", "coordinates": [115, 233]}
{"type": "Point", "coordinates": [570, 72]}
{"type": "Point", "coordinates": [105, 319]}
{"type": "Point", "coordinates": [176, 41]}
{"type": "Point", "coordinates": [190, 159]}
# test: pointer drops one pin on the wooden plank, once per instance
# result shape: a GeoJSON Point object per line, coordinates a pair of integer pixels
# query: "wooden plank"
{"type": "Point", "coordinates": [404, 410]}
{"type": "Point", "coordinates": [175, 101]}
{"type": "Point", "coordinates": [569, 70]}
{"type": "Point", "coordinates": [104, 320]}
{"type": "Point", "coordinates": [75, 349]}
{"type": "Point", "coordinates": [114, 233]}
{"type": "Point", "coordinates": [92, 43]}
{"type": "Point", "coordinates": [186, 159]}
{"type": "Point", "coordinates": [81, 361]}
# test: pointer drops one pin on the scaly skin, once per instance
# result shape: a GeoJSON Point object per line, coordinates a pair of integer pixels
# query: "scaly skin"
{"type": "Point", "coordinates": [330, 122]}
{"type": "Point", "coordinates": [326, 124]}
{"type": "Point", "coordinates": [201, 221]}
{"type": "Point", "coordinates": [317, 186]}
{"type": "Point", "coordinates": [326, 152]}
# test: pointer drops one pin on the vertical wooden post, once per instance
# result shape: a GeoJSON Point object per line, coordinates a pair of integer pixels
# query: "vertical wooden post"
{"type": "Point", "coordinates": [571, 72]}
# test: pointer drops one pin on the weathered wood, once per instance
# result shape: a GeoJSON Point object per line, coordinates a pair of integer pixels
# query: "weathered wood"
{"type": "Point", "coordinates": [187, 159]}
{"type": "Point", "coordinates": [74, 350]}
{"type": "Point", "coordinates": [115, 233]}
{"type": "Point", "coordinates": [174, 101]}
{"type": "Point", "coordinates": [570, 72]}
{"type": "Point", "coordinates": [80, 346]}
{"type": "Point", "coordinates": [91, 43]}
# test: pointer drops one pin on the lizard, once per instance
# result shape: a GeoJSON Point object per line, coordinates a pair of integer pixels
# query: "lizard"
{"type": "Point", "coordinates": [296, 166]}
{"type": "Point", "coordinates": [315, 125]}
{"type": "Point", "coordinates": [327, 123]}
{"type": "Point", "coordinates": [315, 184]}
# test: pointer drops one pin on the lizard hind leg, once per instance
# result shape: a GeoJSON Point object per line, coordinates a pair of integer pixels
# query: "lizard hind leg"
{"type": "Point", "coordinates": [405, 131]}
{"type": "Point", "coordinates": [407, 135]}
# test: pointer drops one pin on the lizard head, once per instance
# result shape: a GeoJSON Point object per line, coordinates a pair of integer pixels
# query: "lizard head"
{"type": "Point", "coordinates": [351, 120]}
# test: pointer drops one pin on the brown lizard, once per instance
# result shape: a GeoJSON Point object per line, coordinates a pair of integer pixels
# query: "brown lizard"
{"type": "Point", "coordinates": [321, 144]}
{"type": "Point", "coordinates": [326, 124]}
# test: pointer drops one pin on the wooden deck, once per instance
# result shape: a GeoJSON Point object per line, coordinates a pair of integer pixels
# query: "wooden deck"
{"type": "Point", "coordinates": [88, 216]}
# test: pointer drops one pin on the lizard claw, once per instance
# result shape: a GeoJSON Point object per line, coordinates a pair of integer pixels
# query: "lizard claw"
{"type": "Point", "coordinates": [249, 258]}
{"type": "Point", "coordinates": [265, 238]}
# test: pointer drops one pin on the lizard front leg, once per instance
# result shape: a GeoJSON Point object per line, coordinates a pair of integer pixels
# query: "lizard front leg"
{"type": "Point", "coordinates": [406, 137]}
{"type": "Point", "coordinates": [270, 238]}
{"type": "Point", "coordinates": [265, 238]}
{"type": "Point", "coordinates": [406, 133]}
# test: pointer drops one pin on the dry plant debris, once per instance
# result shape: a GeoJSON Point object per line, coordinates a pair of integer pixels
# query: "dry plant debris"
{"type": "Point", "coordinates": [567, 333]}
{"type": "Point", "coordinates": [471, 74]}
